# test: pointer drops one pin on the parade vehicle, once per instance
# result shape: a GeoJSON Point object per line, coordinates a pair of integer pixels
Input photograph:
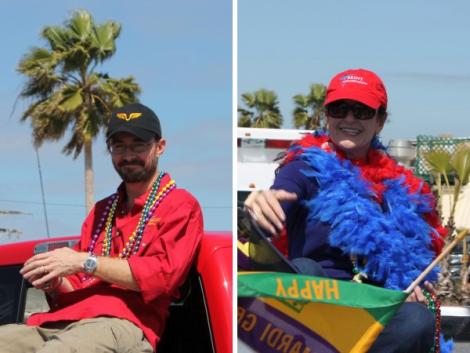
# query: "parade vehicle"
{"type": "Point", "coordinates": [200, 320]}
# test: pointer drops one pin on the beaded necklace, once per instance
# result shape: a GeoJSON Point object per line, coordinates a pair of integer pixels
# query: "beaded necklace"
{"type": "Point", "coordinates": [133, 243]}
{"type": "Point", "coordinates": [109, 228]}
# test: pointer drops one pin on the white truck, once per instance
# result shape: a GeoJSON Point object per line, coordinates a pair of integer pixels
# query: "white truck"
{"type": "Point", "coordinates": [257, 150]}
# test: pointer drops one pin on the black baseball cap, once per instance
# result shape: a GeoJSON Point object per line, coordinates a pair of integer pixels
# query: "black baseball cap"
{"type": "Point", "coordinates": [136, 119]}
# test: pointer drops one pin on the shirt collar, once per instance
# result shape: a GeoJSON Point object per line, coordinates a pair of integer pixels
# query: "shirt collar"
{"type": "Point", "coordinates": [139, 202]}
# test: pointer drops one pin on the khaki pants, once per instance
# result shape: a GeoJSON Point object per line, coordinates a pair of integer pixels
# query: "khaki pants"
{"type": "Point", "coordinates": [98, 335]}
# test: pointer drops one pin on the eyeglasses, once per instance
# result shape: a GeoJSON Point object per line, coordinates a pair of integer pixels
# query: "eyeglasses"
{"type": "Point", "coordinates": [339, 110]}
{"type": "Point", "coordinates": [121, 148]}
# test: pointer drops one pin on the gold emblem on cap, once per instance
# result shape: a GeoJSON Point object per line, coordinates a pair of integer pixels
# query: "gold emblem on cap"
{"type": "Point", "coordinates": [131, 116]}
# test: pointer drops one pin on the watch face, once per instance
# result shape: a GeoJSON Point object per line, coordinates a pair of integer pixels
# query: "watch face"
{"type": "Point", "coordinates": [90, 264]}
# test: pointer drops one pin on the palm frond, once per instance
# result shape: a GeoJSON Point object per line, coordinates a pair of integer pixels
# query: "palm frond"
{"type": "Point", "coordinates": [264, 110]}
{"type": "Point", "coordinates": [57, 37]}
{"type": "Point", "coordinates": [74, 145]}
{"type": "Point", "coordinates": [103, 40]}
{"type": "Point", "coordinates": [39, 67]}
{"type": "Point", "coordinates": [80, 25]}
{"type": "Point", "coordinates": [244, 120]}
{"type": "Point", "coordinates": [300, 118]}
{"type": "Point", "coordinates": [309, 111]}
{"type": "Point", "coordinates": [249, 99]}
{"type": "Point", "coordinates": [317, 94]}
{"type": "Point", "coordinates": [300, 100]}
{"type": "Point", "coordinates": [48, 121]}
{"type": "Point", "coordinates": [118, 92]}
{"type": "Point", "coordinates": [460, 162]}
{"type": "Point", "coordinates": [439, 161]}
{"type": "Point", "coordinates": [71, 98]}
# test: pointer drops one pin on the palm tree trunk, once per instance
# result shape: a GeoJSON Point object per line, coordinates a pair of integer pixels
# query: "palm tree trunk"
{"type": "Point", "coordinates": [88, 176]}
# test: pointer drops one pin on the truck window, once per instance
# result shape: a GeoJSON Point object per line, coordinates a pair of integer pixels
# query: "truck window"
{"type": "Point", "coordinates": [187, 328]}
{"type": "Point", "coordinates": [35, 302]}
{"type": "Point", "coordinates": [241, 197]}
{"type": "Point", "coordinates": [12, 292]}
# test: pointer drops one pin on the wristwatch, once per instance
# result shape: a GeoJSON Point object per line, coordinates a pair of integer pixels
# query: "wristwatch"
{"type": "Point", "coordinates": [90, 264]}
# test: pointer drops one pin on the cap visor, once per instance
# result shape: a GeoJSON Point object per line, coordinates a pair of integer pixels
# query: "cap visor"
{"type": "Point", "coordinates": [142, 134]}
{"type": "Point", "coordinates": [363, 98]}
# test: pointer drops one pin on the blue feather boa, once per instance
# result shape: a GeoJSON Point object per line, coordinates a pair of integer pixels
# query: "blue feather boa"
{"type": "Point", "coordinates": [393, 237]}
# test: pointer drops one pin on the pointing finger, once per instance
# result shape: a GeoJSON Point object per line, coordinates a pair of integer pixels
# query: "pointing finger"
{"type": "Point", "coordinates": [283, 195]}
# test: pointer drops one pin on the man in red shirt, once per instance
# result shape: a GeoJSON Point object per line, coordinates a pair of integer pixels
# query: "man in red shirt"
{"type": "Point", "coordinates": [111, 292]}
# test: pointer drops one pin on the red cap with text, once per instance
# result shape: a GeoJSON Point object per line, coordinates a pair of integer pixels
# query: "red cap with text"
{"type": "Point", "coordinates": [360, 85]}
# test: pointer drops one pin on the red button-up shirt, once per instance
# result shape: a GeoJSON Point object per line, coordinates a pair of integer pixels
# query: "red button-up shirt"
{"type": "Point", "coordinates": [169, 244]}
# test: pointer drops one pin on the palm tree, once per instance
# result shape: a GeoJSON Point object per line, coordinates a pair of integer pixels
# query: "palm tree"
{"type": "Point", "coordinates": [265, 111]}
{"type": "Point", "coordinates": [309, 111]}
{"type": "Point", "coordinates": [66, 92]}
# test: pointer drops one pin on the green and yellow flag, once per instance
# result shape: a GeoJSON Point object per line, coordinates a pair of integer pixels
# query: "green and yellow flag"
{"type": "Point", "coordinates": [292, 313]}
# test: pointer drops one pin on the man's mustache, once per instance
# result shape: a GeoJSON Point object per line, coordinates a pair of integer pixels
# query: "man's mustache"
{"type": "Point", "coordinates": [127, 163]}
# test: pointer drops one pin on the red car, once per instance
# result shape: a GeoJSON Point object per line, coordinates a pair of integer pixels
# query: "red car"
{"type": "Point", "coordinates": [201, 321]}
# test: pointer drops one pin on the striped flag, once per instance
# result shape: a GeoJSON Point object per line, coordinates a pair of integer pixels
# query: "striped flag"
{"type": "Point", "coordinates": [292, 313]}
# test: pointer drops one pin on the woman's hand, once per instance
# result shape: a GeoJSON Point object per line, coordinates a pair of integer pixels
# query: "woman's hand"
{"type": "Point", "coordinates": [417, 294]}
{"type": "Point", "coordinates": [265, 208]}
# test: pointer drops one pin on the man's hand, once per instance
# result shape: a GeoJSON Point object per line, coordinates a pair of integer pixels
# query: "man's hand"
{"type": "Point", "coordinates": [417, 294]}
{"type": "Point", "coordinates": [43, 270]}
{"type": "Point", "coordinates": [265, 208]}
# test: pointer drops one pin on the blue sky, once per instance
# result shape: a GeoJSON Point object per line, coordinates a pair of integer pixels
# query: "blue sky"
{"type": "Point", "coordinates": [421, 49]}
{"type": "Point", "coordinates": [180, 54]}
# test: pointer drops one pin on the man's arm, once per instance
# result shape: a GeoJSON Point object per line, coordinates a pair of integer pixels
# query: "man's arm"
{"type": "Point", "coordinates": [179, 233]}
{"type": "Point", "coordinates": [49, 266]}
{"type": "Point", "coordinates": [116, 271]}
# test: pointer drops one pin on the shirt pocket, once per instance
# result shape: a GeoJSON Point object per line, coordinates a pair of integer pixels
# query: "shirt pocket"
{"type": "Point", "coordinates": [151, 233]}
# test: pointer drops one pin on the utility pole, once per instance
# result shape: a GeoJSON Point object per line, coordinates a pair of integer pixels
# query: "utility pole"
{"type": "Point", "coordinates": [42, 194]}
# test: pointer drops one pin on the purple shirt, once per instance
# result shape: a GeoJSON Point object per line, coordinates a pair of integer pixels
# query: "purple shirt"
{"type": "Point", "coordinates": [308, 239]}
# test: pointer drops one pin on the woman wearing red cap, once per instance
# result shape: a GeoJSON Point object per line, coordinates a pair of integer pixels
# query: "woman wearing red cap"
{"type": "Point", "coordinates": [340, 207]}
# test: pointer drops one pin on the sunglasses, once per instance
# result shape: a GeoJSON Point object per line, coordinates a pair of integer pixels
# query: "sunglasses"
{"type": "Point", "coordinates": [136, 148]}
{"type": "Point", "coordinates": [339, 110]}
